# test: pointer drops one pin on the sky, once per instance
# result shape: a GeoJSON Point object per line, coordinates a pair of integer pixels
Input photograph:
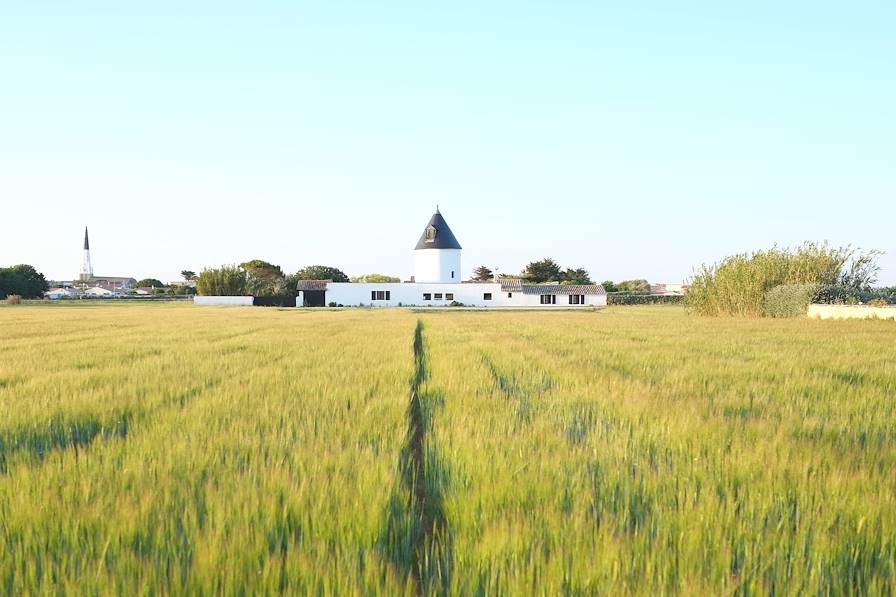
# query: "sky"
{"type": "Point", "coordinates": [636, 140]}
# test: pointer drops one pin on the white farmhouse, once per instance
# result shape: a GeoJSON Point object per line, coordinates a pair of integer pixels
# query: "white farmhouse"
{"type": "Point", "coordinates": [437, 283]}
{"type": "Point", "coordinates": [62, 292]}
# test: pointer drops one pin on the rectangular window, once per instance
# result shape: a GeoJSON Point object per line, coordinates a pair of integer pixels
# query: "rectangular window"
{"type": "Point", "coordinates": [438, 296]}
{"type": "Point", "coordinates": [388, 295]}
{"type": "Point", "coordinates": [549, 299]}
{"type": "Point", "coordinates": [452, 273]}
{"type": "Point", "coordinates": [487, 296]}
{"type": "Point", "coordinates": [509, 295]}
{"type": "Point", "coordinates": [427, 296]}
{"type": "Point", "coordinates": [449, 296]}
{"type": "Point", "coordinates": [380, 295]}
{"type": "Point", "coordinates": [373, 295]}
{"type": "Point", "coordinates": [577, 299]}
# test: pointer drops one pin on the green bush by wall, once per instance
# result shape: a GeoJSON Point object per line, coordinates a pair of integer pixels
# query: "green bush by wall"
{"type": "Point", "coordinates": [789, 300]}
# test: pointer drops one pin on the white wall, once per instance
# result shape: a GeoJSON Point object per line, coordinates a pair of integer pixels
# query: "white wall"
{"type": "Point", "coordinates": [352, 295]}
{"type": "Point", "coordinates": [850, 312]}
{"type": "Point", "coordinates": [228, 301]}
{"type": "Point", "coordinates": [437, 265]}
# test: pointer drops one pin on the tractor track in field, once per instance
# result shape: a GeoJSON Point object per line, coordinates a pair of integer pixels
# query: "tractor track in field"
{"type": "Point", "coordinates": [417, 537]}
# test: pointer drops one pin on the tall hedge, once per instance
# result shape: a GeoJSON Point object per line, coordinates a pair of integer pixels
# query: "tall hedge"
{"type": "Point", "coordinates": [629, 298]}
{"type": "Point", "coordinates": [227, 280]}
{"type": "Point", "coordinates": [738, 284]}
{"type": "Point", "coordinates": [840, 294]}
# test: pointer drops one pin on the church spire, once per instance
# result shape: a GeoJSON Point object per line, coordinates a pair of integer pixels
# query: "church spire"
{"type": "Point", "coordinates": [86, 266]}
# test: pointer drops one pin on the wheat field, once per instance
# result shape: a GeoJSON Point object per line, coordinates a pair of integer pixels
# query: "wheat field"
{"type": "Point", "coordinates": [174, 449]}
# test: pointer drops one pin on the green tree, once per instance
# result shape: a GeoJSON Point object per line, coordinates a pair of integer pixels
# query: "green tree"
{"type": "Point", "coordinates": [576, 276]}
{"type": "Point", "coordinates": [610, 286]}
{"type": "Point", "coordinates": [483, 274]}
{"type": "Point", "coordinates": [188, 275]}
{"type": "Point", "coordinates": [22, 280]}
{"type": "Point", "coordinates": [322, 272]}
{"type": "Point", "coordinates": [375, 279]}
{"type": "Point", "coordinates": [263, 278]}
{"type": "Point", "coordinates": [227, 280]}
{"type": "Point", "coordinates": [633, 286]}
{"type": "Point", "coordinates": [149, 283]}
{"type": "Point", "coordinates": [861, 271]}
{"type": "Point", "coordinates": [545, 270]}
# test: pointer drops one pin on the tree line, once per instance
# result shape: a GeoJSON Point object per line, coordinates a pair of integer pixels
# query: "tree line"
{"type": "Point", "coordinates": [261, 278]}
{"type": "Point", "coordinates": [538, 272]}
{"type": "Point", "coordinates": [548, 270]}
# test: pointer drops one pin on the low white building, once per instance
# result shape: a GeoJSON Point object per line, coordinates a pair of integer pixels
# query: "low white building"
{"type": "Point", "coordinates": [62, 293]}
{"type": "Point", "coordinates": [436, 283]}
{"type": "Point", "coordinates": [99, 291]}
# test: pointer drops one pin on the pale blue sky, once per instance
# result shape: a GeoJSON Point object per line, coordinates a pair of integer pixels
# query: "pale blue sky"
{"type": "Point", "coordinates": [634, 139]}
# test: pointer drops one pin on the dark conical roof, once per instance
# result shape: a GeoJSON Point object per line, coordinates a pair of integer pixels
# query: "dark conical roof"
{"type": "Point", "coordinates": [86, 241]}
{"type": "Point", "coordinates": [437, 235]}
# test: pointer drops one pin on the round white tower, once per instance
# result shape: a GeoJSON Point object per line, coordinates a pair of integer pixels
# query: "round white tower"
{"type": "Point", "coordinates": [437, 254]}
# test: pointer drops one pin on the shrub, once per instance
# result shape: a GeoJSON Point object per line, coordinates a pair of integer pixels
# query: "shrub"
{"type": "Point", "coordinates": [13, 299]}
{"type": "Point", "coordinates": [878, 302]}
{"type": "Point", "coordinates": [789, 300]}
{"type": "Point", "coordinates": [628, 298]}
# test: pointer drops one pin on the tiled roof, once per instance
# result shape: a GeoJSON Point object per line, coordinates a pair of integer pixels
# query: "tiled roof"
{"type": "Point", "coordinates": [516, 285]}
{"type": "Point", "coordinates": [312, 284]}
{"type": "Point", "coordinates": [564, 289]}
{"type": "Point", "coordinates": [100, 279]}
{"type": "Point", "coordinates": [510, 284]}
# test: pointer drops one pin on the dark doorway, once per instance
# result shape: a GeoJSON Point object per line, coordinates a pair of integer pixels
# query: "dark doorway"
{"type": "Point", "coordinates": [314, 298]}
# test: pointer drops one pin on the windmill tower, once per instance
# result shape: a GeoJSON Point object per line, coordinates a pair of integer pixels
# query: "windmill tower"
{"type": "Point", "coordinates": [86, 266]}
{"type": "Point", "coordinates": [437, 254]}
